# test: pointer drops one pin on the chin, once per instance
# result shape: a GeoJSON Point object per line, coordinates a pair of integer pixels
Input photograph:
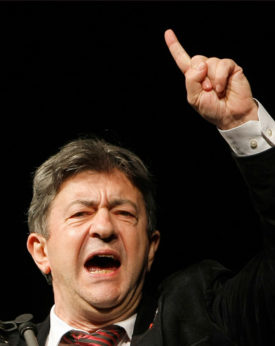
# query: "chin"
{"type": "Point", "coordinates": [104, 298]}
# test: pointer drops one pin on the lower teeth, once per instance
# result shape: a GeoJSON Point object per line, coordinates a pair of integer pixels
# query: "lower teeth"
{"type": "Point", "coordinates": [102, 271]}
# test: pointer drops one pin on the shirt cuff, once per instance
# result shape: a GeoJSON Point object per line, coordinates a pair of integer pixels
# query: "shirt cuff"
{"type": "Point", "coordinates": [252, 137]}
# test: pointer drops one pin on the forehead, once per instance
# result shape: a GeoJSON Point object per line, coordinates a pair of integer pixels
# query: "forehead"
{"type": "Point", "coordinates": [98, 185]}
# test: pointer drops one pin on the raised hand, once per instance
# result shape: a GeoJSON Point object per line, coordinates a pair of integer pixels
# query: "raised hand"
{"type": "Point", "coordinates": [216, 88]}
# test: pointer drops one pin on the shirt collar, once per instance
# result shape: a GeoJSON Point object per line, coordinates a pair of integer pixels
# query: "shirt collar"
{"type": "Point", "coordinates": [58, 328]}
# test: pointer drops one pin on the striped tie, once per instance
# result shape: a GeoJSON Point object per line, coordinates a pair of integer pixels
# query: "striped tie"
{"type": "Point", "coordinates": [109, 336]}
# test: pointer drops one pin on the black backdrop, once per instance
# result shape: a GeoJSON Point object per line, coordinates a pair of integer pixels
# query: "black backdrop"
{"type": "Point", "coordinates": [75, 68]}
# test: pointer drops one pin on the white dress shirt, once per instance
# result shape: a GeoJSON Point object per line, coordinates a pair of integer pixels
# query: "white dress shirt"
{"type": "Point", "coordinates": [58, 328]}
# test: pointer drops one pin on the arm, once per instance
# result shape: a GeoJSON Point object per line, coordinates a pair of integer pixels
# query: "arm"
{"type": "Point", "coordinates": [221, 94]}
{"type": "Point", "coordinates": [244, 305]}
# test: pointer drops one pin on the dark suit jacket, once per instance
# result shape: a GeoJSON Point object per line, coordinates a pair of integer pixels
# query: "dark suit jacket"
{"type": "Point", "coordinates": [206, 304]}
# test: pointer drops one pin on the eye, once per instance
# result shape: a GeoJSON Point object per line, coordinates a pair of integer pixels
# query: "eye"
{"type": "Point", "coordinates": [80, 214]}
{"type": "Point", "coordinates": [126, 214]}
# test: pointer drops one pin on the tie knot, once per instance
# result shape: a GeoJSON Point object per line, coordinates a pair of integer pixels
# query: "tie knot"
{"type": "Point", "coordinates": [107, 336]}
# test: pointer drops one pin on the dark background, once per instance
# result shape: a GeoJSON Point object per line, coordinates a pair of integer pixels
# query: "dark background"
{"type": "Point", "coordinates": [75, 68]}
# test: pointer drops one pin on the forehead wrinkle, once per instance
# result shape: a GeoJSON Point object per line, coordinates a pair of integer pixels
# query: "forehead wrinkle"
{"type": "Point", "coordinates": [85, 202]}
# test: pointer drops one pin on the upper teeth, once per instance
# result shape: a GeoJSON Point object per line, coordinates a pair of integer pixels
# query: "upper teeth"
{"type": "Point", "coordinates": [110, 256]}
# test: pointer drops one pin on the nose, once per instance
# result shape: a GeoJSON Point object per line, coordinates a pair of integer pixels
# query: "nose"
{"type": "Point", "coordinates": [102, 226]}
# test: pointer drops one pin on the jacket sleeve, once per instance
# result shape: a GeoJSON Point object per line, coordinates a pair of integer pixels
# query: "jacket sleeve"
{"type": "Point", "coordinates": [244, 305]}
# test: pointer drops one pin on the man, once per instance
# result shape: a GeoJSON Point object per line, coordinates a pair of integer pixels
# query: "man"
{"type": "Point", "coordinates": [93, 233]}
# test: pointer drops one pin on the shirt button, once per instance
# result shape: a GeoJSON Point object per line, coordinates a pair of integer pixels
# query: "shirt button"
{"type": "Point", "coordinates": [253, 144]}
{"type": "Point", "coordinates": [269, 132]}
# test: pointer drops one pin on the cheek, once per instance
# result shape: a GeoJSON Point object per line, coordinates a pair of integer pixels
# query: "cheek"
{"type": "Point", "coordinates": [57, 255]}
{"type": "Point", "coordinates": [137, 245]}
{"type": "Point", "coordinates": [63, 249]}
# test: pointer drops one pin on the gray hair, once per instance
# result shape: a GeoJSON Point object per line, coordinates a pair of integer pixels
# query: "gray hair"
{"type": "Point", "coordinates": [82, 155]}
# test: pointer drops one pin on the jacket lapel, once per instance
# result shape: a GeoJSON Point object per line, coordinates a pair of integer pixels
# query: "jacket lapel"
{"type": "Point", "coordinates": [147, 330]}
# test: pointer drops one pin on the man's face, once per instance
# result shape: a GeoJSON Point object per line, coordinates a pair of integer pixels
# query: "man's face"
{"type": "Point", "coordinates": [98, 251]}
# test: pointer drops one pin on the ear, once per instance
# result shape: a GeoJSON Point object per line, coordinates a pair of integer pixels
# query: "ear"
{"type": "Point", "coordinates": [37, 247]}
{"type": "Point", "coordinates": [153, 246]}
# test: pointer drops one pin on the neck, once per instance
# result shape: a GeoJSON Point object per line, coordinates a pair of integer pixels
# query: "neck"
{"type": "Point", "coordinates": [87, 317]}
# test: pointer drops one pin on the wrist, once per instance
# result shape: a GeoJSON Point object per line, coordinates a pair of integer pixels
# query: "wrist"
{"type": "Point", "coordinates": [238, 120]}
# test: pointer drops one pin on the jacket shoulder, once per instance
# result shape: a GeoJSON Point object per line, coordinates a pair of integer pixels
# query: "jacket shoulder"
{"type": "Point", "coordinates": [201, 276]}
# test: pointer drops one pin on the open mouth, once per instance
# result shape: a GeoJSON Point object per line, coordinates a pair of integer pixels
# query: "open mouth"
{"type": "Point", "coordinates": [102, 263]}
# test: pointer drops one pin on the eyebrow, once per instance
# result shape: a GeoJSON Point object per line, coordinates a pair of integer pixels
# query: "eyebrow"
{"type": "Point", "coordinates": [120, 201]}
{"type": "Point", "coordinates": [112, 204]}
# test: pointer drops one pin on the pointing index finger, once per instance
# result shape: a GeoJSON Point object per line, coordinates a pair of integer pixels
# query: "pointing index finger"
{"type": "Point", "coordinates": [179, 54]}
